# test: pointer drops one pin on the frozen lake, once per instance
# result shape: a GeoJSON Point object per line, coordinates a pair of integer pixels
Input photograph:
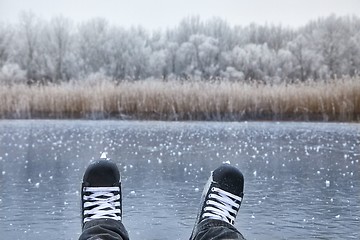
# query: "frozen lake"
{"type": "Point", "coordinates": [302, 180]}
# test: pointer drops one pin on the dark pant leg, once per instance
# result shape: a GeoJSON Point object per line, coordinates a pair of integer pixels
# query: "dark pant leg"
{"type": "Point", "coordinates": [215, 230]}
{"type": "Point", "coordinates": [104, 229]}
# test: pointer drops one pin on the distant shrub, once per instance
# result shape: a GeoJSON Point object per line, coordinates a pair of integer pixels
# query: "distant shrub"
{"type": "Point", "coordinates": [12, 74]}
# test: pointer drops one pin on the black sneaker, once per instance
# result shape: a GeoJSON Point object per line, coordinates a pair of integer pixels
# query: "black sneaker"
{"type": "Point", "coordinates": [101, 192]}
{"type": "Point", "coordinates": [222, 195]}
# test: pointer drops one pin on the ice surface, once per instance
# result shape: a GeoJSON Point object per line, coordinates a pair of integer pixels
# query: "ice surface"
{"type": "Point", "coordinates": [301, 179]}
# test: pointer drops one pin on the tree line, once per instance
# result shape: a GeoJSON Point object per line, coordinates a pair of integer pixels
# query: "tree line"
{"type": "Point", "coordinates": [36, 50]}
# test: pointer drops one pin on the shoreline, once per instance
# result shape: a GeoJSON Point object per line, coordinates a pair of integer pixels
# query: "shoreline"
{"type": "Point", "coordinates": [330, 101]}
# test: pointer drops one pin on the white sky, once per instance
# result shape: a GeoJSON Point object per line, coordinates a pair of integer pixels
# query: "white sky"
{"type": "Point", "coordinates": [155, 14]}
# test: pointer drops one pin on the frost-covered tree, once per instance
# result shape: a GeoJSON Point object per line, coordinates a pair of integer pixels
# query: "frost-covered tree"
{"type": "Point", "coordinates": [330, 42]}
{"type": "Point", "coordinates": [284, 67]}
{"type": "Point", "coordinates": [304, 58]}
{"type": "Point", "coordinates": [209, 56]}
{"type": "Point", "coordinates": [92, 45]}
{"type": "Point", "coordinates": [275, 37]}
{"type": "Point", "coordinates": [11, 73]}
{"type": "Point", "coordinates": [220, 30]}
{"type": "Point", "coordinates": [118, 53]}
{"type": "Point", "coordinates": [351, 53]}
{"type": "Point", "coordinates": [6, 37]}
{"type": "Point", "coordinates": [188, 27]}
{"type": "Point", "coordinates": [184, 60]}
{"type": "Point", "coordinates": [352, 56]}
{"type": "Point", "coordinates": [58, 50]}
{"type": "Point", "coordinates": [28, 45]}
{"type": "Point", "coordinates": [255, 62]}
{"type": "Point", "coordinates": [57, 43]}
{"type": "Point", "coordinates": [171, 50]}
{"type": "Point", "coordinates": [158, 64]}
{"type": "Point", "coordinates": [205, 54]}
{"type": "Point", "coordinates": [139, 52]}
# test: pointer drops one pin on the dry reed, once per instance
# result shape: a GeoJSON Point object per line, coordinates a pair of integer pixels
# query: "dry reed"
{"type": "Point", "coordinates": [336, 100]}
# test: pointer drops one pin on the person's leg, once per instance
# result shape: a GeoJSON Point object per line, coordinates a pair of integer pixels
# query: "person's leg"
{"type": "Point", "coordinates": [101, 202]}
{"type": "Point", "coordinates": [104, 229]}
{"type": "Point", "coordinates": [220, 203]}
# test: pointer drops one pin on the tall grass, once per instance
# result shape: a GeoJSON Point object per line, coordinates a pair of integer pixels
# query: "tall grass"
{"type": "Point", "coordinates": [336, 100]}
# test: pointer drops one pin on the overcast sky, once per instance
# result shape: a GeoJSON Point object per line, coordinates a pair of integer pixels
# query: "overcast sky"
{"type": "Point", "coordinates": [155, 14]}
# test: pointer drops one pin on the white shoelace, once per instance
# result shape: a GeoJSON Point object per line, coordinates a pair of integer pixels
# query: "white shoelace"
{"type": "Point", "coordinates": [103, 203]}
{"type": "Point", "coordinates": [222, 205]}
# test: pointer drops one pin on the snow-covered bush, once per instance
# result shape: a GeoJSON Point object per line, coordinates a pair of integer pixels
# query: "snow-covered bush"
{"type": "Point", "coordinates": [11, 74]}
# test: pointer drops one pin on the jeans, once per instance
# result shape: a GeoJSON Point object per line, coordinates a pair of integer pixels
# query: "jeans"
{"type": "Point", "coordinates": [108, 229]}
